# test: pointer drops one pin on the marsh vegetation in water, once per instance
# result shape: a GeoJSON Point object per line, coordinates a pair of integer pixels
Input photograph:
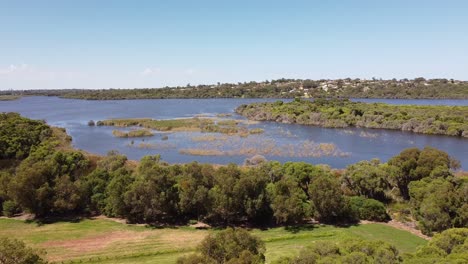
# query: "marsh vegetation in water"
{"type": "Point", "coordinates": [357, 143]}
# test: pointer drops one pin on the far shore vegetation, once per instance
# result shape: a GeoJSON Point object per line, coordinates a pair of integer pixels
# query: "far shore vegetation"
{"type": "Point", "coordinates": [418, 88]}
{"type": "Point", "coordinates": [439, 120]}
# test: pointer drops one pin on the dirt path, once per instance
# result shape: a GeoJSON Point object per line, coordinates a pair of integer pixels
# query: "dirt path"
{"type": "Point", "coordinates": [402, 226]}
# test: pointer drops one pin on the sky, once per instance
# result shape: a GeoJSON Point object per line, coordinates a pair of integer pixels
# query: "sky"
{"type": "Point", "coordinates": [61, 44]}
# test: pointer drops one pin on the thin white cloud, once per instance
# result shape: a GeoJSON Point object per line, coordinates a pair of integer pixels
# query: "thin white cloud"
{"type": "Point", "coordinates": [150, 71]}
{"type": "Point", "coordinates": [13, 68]}
{"type": "Point", "coordinates": [190, 71]}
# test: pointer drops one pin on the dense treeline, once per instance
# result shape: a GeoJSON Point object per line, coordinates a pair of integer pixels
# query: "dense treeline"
{"type": "Point", "coordinates": [53, 181]}
{"type": "Point", "coordinates": [282, 88]}
{"type": "Point", "coordinates": [442, 120]}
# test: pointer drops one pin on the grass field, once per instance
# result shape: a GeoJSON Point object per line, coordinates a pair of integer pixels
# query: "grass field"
{"type": "Point", "coordinates": [106, 241]}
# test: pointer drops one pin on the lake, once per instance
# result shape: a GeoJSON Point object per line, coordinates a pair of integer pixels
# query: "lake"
{"type": "Point", "coordinates": [282, 142]}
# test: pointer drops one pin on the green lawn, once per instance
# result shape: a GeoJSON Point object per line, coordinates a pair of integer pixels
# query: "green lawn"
{"type": "Point", "coordinates": [105, 241]}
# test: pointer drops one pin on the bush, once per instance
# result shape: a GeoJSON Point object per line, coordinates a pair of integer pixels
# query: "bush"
{"type": "Point", "coordinates": [15, 251]}
{"type": "Point", "coordinates": [10, 208]}
{"type": "Point", "coordinates": [346, 251]}
{"type": "Point", "coordinates": [368, 209]}
{"type": "Point", "coordinates": [450, 246]}
{"type": "Point", "coordinates": [228, 246]}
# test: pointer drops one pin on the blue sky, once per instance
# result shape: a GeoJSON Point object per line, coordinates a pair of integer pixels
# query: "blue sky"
{"type": "Point", "coordinates": [125, 44]}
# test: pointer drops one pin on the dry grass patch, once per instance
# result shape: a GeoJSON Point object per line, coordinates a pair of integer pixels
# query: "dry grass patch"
{"type": "Point", "coordinates": [132, 133]}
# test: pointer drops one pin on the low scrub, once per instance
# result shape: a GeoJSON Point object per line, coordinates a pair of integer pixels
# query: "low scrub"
{"type": "Point", "coordinates": [132, 133]}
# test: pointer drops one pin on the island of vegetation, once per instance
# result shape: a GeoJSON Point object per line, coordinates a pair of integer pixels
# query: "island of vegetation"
{"type": "Point", "coordinates": [9, 97]}
{"type": "Point", "coordinates": [440, 120]}
{"type": "Point", "coordinates": [418, 88]}
{"type": "Point", "coordinates": [41, 174]}
{"type": "Point", "coordinates": [132, 133]}
{"type": "Point", "coordinates": [195, 124]}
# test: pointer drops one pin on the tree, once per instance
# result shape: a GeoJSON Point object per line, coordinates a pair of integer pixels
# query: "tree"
{"type": "Point", "coordinates": [193, 188]}
{"type": "Point", "coordinates": [13, 251]}
{"type": "Point", "coordinates": [47, 181]}
{"type": "Point", "coordinates": [413, 165]}
{"type": "Point", "coordinates": [401, 170]}
{"type": "Point", "coordinates": [302, 172]}
{"type": "Point", "coordinates": [367, 178]}
{"type": "Point", "coordinates": [327, 198]}
{"type": "Point", "coordinates": [288, 201]}
{"type": "Point", "coordinates": [251, 193]}
{"type": "Point", "coordinates": [433, 213]}
{"type": "Point", "coordinates": [153, 196]}
{"type": "Point", "coordinates": [229, 246]}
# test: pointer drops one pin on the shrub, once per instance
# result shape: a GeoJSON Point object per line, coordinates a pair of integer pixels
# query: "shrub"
{"type": "Point", "coordinates": [15, 251]}
{"type": "Point", "coordinates": [368, 209]}
{"type": "Point", "coordinates": [228, 246]}
{"type": "Point", "coordinates": [10, 208]}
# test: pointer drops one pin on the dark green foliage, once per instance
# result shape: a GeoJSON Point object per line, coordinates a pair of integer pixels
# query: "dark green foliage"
{"type": "Point", "coordinates": [368, 209]}
{"type": "Point", "coordinates": [152, 197]}
{"type": "Point", "coordinates": [13, 251]}
{"type": "Point", "coordinates": [95, 184]}
{"type": "Point", "coordinates": [413, 164]}
{"type": "Point", "coordinates": [368, 179]}
{"type": "Point", "coordinates": [119, 184]}
{"type": "Point", "coordinates": [289, 202]}
{"type": "Point", "coordinates": [327, 199]}
{"type": "Point", "coordinates": [10, 208]}
{"type": "Point", "coordinates": [48, 181]}
{"type": "Point", "coordinates": [450, 246]}
{"type": "Point", "coordinates": [193, 187]}
{"type": "Point", "coordinates": [346, 252]}
{"type": "Point", "coordinates": [440, 203]}
{"type": "Point", "coordinates": [195, 259]}
{"type": "Point", "coordinates": [234, 246]}
{"type": "Point", "coordinates": [442, 120]}
{"type": "Point", "coordinates": [281, 88]}
{"type": "Point", "coordinates": [19, 134]}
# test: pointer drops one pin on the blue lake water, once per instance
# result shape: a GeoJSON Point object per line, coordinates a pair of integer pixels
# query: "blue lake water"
{"type": "Point", "coordinates": [282, 142]}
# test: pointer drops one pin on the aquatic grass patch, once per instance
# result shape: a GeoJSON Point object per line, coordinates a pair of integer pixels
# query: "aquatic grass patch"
{"type": "Point", "coordinates": [240, 146]}
{"type": "Point", "coordinates": [132, 133]}
{"type": "Point", "coordinates": [161, 125]}
{"type": "Point", "coordinates": [9, 97]}
{"type": "Point", "coordinates": [209, 138]}
{"type": "Point", "coordinates": [201, 152]}
{"type": "Point", "coordinates": [156, 146]}
{"type": "Point", "coordinates": [256, 131]}
{"type": "Point", "coordinates": [195, 124]}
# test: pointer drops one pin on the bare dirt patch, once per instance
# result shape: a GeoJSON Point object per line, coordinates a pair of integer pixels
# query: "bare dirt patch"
{"type": "Point", "coordinates": [77, 247]}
